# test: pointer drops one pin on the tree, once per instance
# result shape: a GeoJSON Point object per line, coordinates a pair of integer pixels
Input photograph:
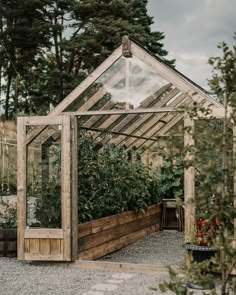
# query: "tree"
{"type": "Point", "coordinates": [79, 35]}
{"type": "Point", "coordinates": [23, 33]}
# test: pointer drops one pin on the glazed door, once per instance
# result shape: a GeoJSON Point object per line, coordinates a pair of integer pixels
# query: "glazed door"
{"type": "Point", "coordinates": [45, 196]}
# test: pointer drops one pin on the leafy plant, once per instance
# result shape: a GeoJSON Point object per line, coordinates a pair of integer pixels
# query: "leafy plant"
{"type": "Point", "coordinates": [109, 183]}
{"type": "Point", "coordinates": [215, 172]}
{"type": "Point", "coordinates": [171, 178]}
{"type": "Point", "coordinates": [8, 214]}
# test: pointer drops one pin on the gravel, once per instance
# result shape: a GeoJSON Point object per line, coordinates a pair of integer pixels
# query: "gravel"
{"type": "Point", "coordinates": [21, 278]}
{"type": "Point", "coordinates": [164, 247]}
{"type": "Point", "coordinates": [28, 279]}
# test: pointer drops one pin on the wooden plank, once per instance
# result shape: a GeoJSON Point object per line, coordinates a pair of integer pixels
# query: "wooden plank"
{"type": "Point", "coordinates": [118, 133]}
{"type": "Point", "coordinates": [87, 82]}
{"type": "Point", "coordinates": [34, 246]}
{"type": "Point", "coordinates": [42, 233]}
{"type": "Point", "coordinates": [55, 247]}
{"type": "Point", "coordinates": [112, 221]}
{"type": "Point", "coordinates": [117, 112]}
{"type": "Point", "coordinates": [27, 245]}
{"type": "Point", "coordinates": [154, 269]}
{"type": "Point", "coordinates": [21, 187]}
{"type": "Point", "coordinates": [43, 120]}
{"type": "Point", "coordinates": [117, 232]}
{"type": "Point", "coordinates": [66, 186]}
{"type": "Point", "coordinates": [40, 257]}
{"type": "Point", "coordinates": [74, 187]}
{"type": "Point", "coordinates": [189, 179]}
{"type": "Point", "coordinates": [117, 244]}
{"type": "Point", "coordinates": [44, 245]}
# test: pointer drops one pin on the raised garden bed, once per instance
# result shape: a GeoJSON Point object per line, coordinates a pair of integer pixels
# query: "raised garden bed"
{"type": "Point", "coordinates": [106, 235]}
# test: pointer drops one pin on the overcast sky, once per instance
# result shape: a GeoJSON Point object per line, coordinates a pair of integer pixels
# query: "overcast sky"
{"type": "Point", "coordinates": [192, 31]}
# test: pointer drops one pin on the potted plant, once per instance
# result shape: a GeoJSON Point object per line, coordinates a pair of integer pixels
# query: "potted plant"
{"type": "Point", "coordinates": [202, 245]}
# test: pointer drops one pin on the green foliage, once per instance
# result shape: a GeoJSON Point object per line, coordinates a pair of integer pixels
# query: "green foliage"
{"type": "Point", "coordinates": [109, 183]}
{"type": "Point", "coordinates": [8, 214]}
{"type": "Point", "coordinates": [214, 163]}
{"type": "Point", "coordinates": [171, 177]}
{"type": "Point", "coordinates": [48, 208]}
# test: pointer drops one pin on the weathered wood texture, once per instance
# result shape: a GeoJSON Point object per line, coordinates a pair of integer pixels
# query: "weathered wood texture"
{"type": "Point", "coordinates": [189, 178]}
{"type": "Point", "coordinates": [106, 235]}
{"type": "Point", "coordinates": [40, 249]}
{"type": "Point", "coordinates": [8, 242]}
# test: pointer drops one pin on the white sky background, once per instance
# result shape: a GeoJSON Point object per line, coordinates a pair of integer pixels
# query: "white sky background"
{"type": "Point", "coordinates": [193, 29]}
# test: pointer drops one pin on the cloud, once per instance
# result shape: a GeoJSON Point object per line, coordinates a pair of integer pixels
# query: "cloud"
{"type": "Point", "coordinates": [193, 29]}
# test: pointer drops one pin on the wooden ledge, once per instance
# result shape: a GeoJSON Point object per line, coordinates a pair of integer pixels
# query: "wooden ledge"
{"type": "Point", "coordinates": [151, 269]}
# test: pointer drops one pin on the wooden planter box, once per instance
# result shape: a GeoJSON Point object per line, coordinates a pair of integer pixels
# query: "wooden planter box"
{"type": "Point", "coordinates": [8, 242]}
{"type": "Point", "coordinates": [106, 235]}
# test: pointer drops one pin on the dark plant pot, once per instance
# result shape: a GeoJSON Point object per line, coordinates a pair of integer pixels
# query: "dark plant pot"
{"type": "Point", "coordinates": [201, 253]}
{"type": "Point", "coordinates": [8, 242]}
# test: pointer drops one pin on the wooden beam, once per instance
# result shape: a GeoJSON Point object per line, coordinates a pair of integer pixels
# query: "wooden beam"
{"type": "Point", "coordinates": [21, 187]}
{"type": "Point", "coordinates": [42, 233]}
{"type": "Point", "coordinates": [66, 187]}
{"type": "Point", "coordinates": [118, 133]}
{"type": "Point", "coordinates": [74, 188]}
{"type": "Point", "coordinates": [189, 178]}
{"type": "Point", "coordinates": [125, 112]}
{"type": "Point", "coordinates": [88, 81]}
{"type": "Point", "coordinates": [43, 120]}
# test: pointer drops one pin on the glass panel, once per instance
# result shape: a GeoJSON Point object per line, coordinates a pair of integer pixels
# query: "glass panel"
{"type": "Point", "coordinates": [44, 178]}
{"type": "Point", "coordinates": [125, 85]}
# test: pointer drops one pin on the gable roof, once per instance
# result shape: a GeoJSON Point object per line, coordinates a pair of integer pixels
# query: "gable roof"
{"type": "Point", "coordinates": [148, 88]}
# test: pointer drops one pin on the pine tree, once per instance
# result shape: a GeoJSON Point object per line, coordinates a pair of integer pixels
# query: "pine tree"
{"type": "Point", "coordinates": [83, 34]}
{"type": "Point", "coordinates": [23, 33]}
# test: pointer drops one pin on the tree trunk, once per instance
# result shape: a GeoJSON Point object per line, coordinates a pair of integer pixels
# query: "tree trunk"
{"type": "Point", "coordinates": [9, 79]}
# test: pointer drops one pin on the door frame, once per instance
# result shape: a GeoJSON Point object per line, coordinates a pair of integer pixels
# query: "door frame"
{"type": "Point", "coordinates": [66, 237]}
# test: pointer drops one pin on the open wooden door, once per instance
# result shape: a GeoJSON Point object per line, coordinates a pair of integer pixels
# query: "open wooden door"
{"type": "Point", "coordinates": [46, 195]}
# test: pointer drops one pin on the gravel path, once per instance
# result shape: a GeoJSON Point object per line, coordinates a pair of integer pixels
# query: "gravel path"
{"type": "Point", "coordinates": [164, 247]}
{"type": "Point", "coordinates": [18, 278]}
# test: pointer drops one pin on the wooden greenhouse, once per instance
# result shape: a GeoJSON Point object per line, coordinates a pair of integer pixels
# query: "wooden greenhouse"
{"type": "Point", "coordinates": [135, 96]}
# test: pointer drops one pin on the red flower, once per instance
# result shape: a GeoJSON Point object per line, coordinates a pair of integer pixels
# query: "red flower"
{"type": "Point", "coordinates": [205, 231]}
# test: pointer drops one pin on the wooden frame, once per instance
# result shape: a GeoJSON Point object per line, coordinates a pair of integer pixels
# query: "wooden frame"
{"type": "Point", "coordinates": [43, 243]}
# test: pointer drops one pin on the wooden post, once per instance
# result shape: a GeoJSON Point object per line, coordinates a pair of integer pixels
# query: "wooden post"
{"type": "Point", "coordinates": [21, 186]}
{"type": "Point", "coordinates": [189, 178]}
{"type": "Point", "coordinates": [74, 187]}
{"type": "Point", "coordinates": [126, 47]}
{"type": "Point", "coordinates": [66, 187]}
